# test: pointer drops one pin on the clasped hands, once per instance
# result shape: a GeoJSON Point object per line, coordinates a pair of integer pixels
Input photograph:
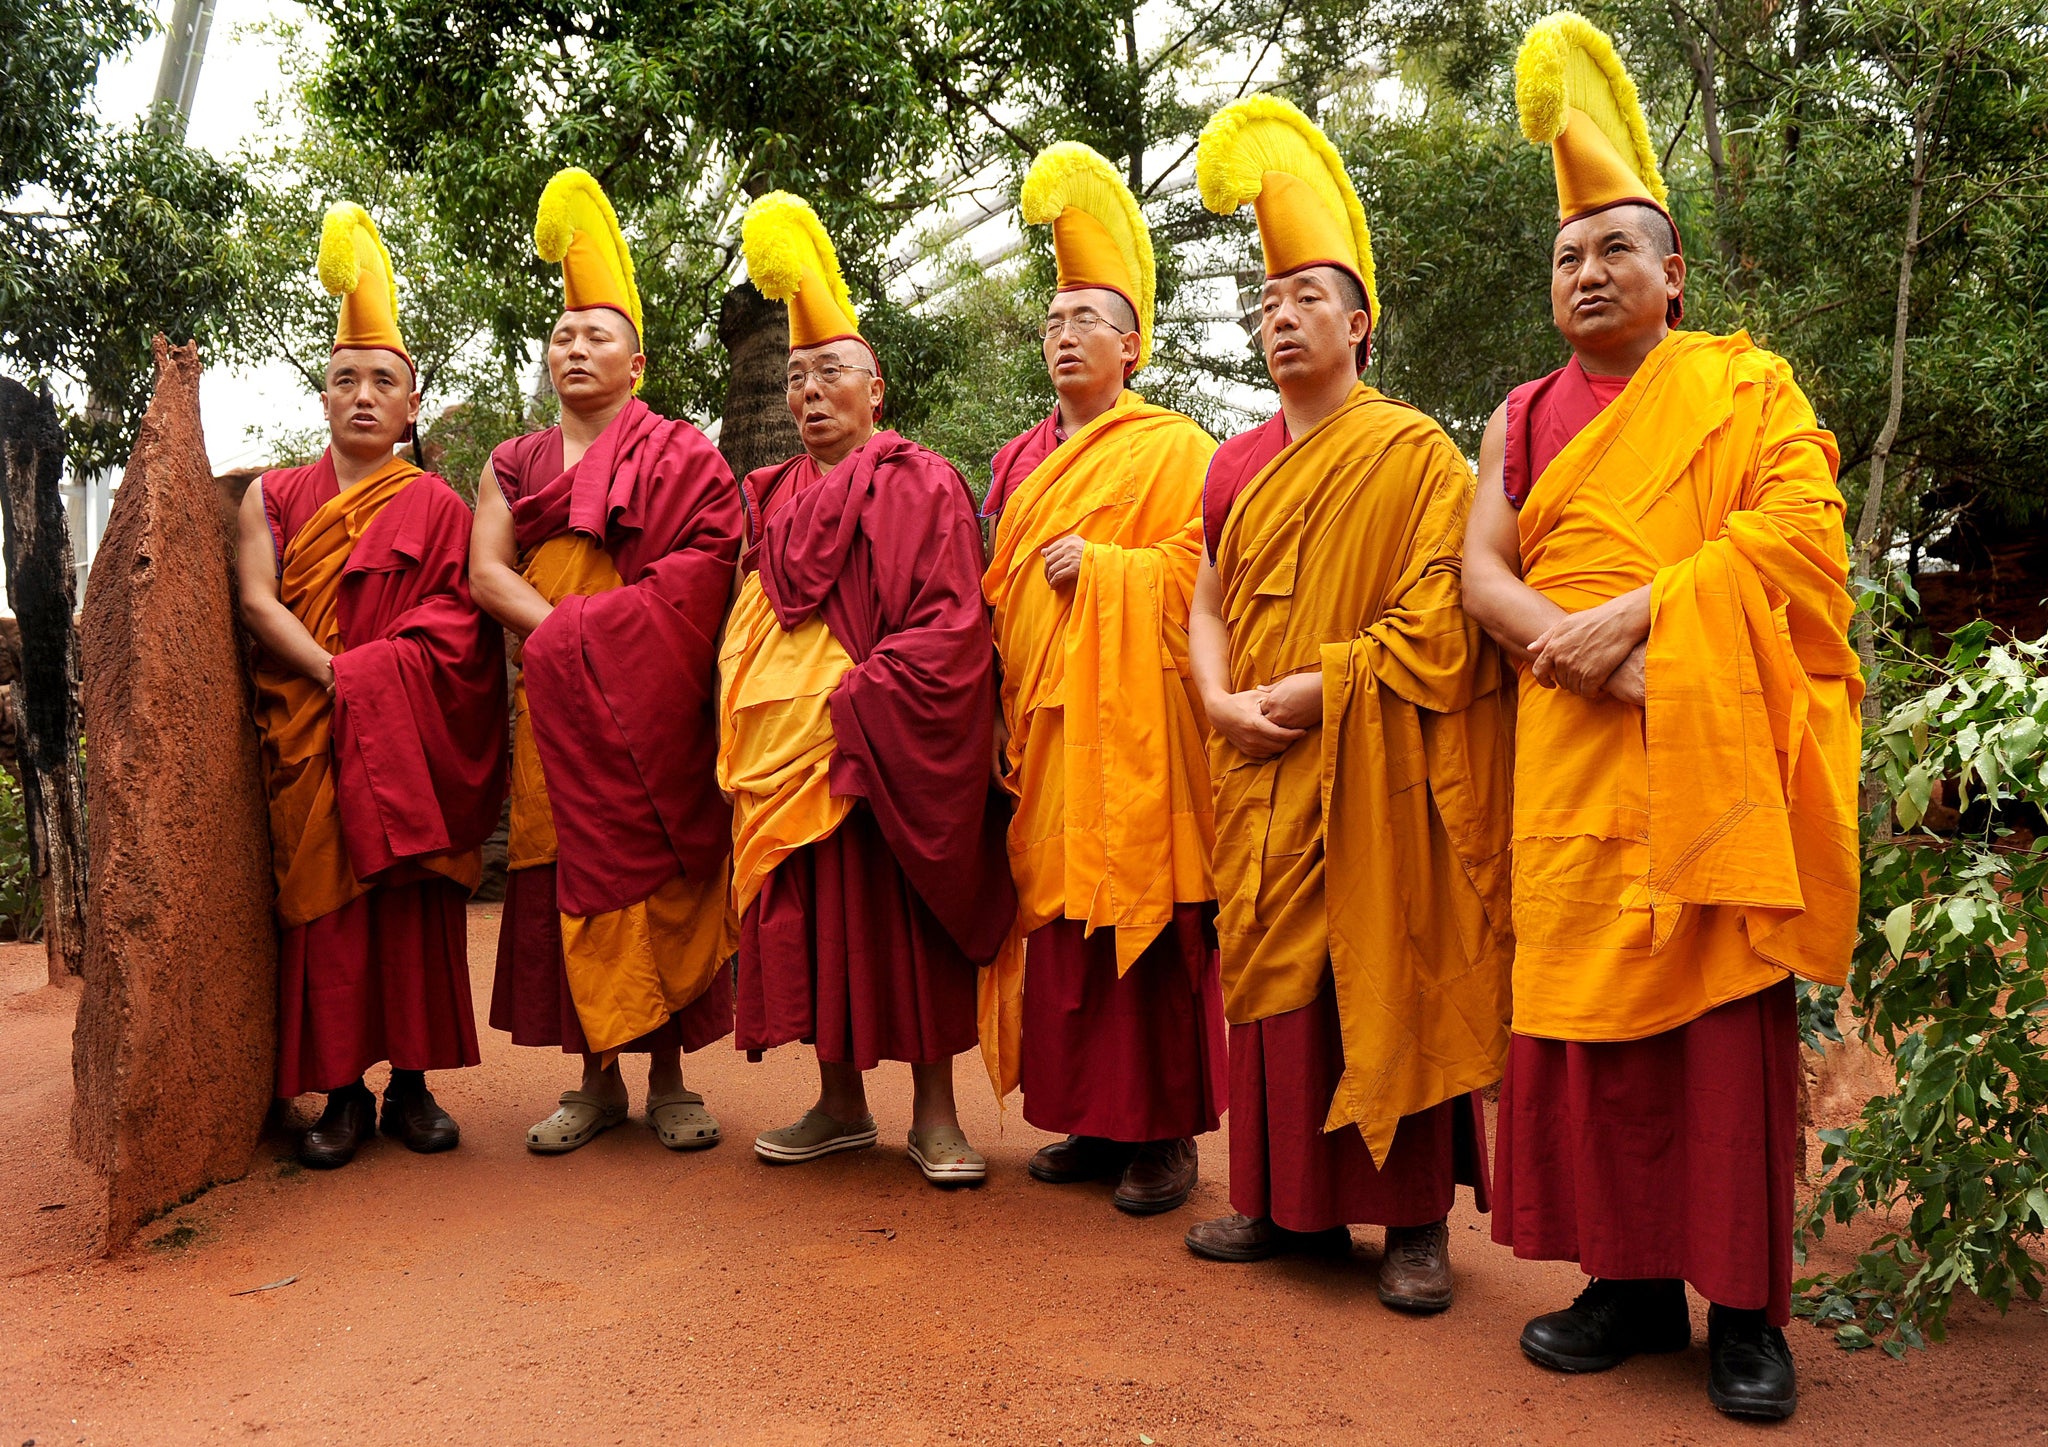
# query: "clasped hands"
{"type": "Point", "coordinates": [1598, 652]}
{"type": "Point", "coordinates": [1264, 721]}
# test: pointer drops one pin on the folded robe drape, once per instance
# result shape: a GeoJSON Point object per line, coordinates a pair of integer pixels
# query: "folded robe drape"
{"type": "Point", "coordinates": [1375, 850]}
{"type": "Point", "coordinates": [885, 550]}
{"type": "Point", "coordinates": [1114, 818]}
{"type": "Point", "coordinates": [615, 733]}
{"type": "Point", "coordinates": [388, 787]}
{"type": "Point", "coordinates": [1671, 858]}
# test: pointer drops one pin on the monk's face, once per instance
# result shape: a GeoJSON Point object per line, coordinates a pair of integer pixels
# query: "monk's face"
{"type": "Point", "coordinates": [370, 402]}
{"type": "Point", "coordinates": [835, 394]}
{"type": "Point", "coordinates": [1091, 344]}
{"type": "Point", "coordinates": [1310, 327]}
{"type": "Point", "coordinates": [1613, 276]}
{"type": "Point", "coordinates": [594, 359]}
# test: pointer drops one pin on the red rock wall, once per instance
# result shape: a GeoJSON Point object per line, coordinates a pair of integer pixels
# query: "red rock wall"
{"type": "Point", "coordinates": [174, 1050]}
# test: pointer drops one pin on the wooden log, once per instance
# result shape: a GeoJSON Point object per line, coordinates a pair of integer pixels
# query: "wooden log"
{"type": "Point", "coordinates": [42, 590]}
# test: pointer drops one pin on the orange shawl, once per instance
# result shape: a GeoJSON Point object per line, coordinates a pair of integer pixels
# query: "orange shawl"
{"type": "Point", "coordinates": [1375, 848]}
{"type": "Point", "coordinates": [1115, 822]}
{"type": "Point", "coordinates": [1672, 858]}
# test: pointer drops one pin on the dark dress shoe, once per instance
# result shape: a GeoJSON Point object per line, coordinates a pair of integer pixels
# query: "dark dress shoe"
{"type": "Point", "coordinates": [413, 1117]}
{"type": "Point", "coordinates": [1609, 1323]}
{"type": "Point", "coordinates": [1749, 1367]}
{"type": "Point", "coordinates": [1159, 1178]}
{"type": "Point", "coordinates": [1080, 1158]}
{"type": "Point", "coordinates": [1248, 1238]}
{"type": "Point", "coordinates": [349, 1119]}
{"type": "Point", "coordinates": [1415, 1268]}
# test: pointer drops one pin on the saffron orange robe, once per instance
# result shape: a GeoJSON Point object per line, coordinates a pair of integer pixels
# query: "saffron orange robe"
{"type": "Point", "coordinates": [618, 829]}
{"type": "Point", "coordinates": [858, 686]}
{"type": "Point", "coordinates": [1114, 820]}
{"type": "Point", "coordinates": [1648, 1117]}
{"type": "Point", "coordinates": [1373, 852]}
{"type": "Point", "coordinates": [382, 794]}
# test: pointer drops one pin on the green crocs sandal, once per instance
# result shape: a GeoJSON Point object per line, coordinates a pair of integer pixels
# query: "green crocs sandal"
{"type": "Point", "coordinates": [945, 1157]}
{"type": "Point", "coordinates": [817, 1134]}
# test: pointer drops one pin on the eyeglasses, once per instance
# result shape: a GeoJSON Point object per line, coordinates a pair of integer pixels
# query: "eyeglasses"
{"type": "Point", "coordinates": [830, 375]}
{"type": "Point", "coordinates": [1080, 325]}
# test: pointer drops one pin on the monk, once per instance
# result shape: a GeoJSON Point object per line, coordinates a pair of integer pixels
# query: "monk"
{"type": "Point", "coordinates": [380, 703]}
{"type": "Point", "coordinates": [1658, 537]}
{"type": "Point", "coordinates": [1361, 752]}
{"type": "Point", "coordinates": [858, 702]}
{"type": "Point", "coordinates": [606, 544]}
{"type": "Point", "coordinates": [1118, 1038]}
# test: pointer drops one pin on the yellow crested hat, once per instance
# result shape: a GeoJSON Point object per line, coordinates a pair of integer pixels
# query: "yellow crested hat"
{"type": "Point", "coordinates": [576, 226]}
{"type": "Point", "coordinates": [1264, 151]}
{"type": "Point", "coordinates": [355, 266]}
{"type": "Point", "coordinates": [790, 259]}
{"type": "Point", "coordinates": [1099, 238]}
{"type": "Point", "coordinates": [1575, 97]}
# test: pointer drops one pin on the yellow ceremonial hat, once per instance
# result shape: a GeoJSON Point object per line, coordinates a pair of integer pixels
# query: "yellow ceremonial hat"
{"type": "Point", "coordinates": [790, 259]}
{"type": "Point", "coordinates": [1575, 97]}
{"type": "Point", "coordinates": [576, 226]}
{"type": "Point", "coordinates": [1263, 150]}
{"type": "Point", "coordinates": [355, 267]}
{"type": "Point", "coordinates": [1099, 238]}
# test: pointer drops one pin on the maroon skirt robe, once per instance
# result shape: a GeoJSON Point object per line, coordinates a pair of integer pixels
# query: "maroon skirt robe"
{"type": "Point", "coordinates": [624, 705]}
{"type": "Point", "coordinates": [419, 756]}
{"type": "Point", "coordinates": [866, 944]}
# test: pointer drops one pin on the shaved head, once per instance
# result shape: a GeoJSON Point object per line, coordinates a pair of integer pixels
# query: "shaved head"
{"type": "Point", "coordinates": [1654, 225]}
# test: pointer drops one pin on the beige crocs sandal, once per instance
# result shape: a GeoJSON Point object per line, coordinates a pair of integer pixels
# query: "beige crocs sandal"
{"type": "Point", "coordinates": [946, 1159]}
{"type": "Point", "coordinates": [817, 1134]}
{"type": "Point", "coordinates": [581, 1119]}
{"type": "Point", "coordinates": [682, 1122]}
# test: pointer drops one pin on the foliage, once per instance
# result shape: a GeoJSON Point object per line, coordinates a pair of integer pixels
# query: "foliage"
{"type": "Point", "coordinates": [111, 233]}
{"type": "Point", "coordinates": [21, 895]}
{"type": "Point", "coordinates": [1949, 981]}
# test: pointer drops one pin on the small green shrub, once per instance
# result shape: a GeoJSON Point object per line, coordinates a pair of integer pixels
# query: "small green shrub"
{"type": "Point", "coordinates": [21, 897]}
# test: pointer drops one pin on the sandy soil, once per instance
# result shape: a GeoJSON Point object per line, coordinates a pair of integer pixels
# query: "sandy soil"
{"type": "Point", "coordinates": [627, 1294]}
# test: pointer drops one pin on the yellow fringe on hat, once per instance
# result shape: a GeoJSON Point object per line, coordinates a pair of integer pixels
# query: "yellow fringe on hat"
{"type": "Point", "coordinates": [779, 234]}
{"type": "Point", "coordinates": [1262, 133]}
{"type": "Point", "coordinates": [1566, 63]}
{"type": "Point", "coordinates": [1071, 174]}
{"type": "Point", "coordinates": [572, 204]}
{"type": "Point", "coordinates": [351, 254]}
{"type": "Point", "coordinates": [339, 271]}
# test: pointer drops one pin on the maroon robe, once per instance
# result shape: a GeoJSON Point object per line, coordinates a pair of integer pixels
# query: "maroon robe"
{"type": "Point", "coordinates": [419, 754]}
{"type": "Point", "coordinates": [1673, 1156]}
{"type": "Point", "coordinates": [1284, 1069]}
{"type": "Point", "coordinates": [1136, 1058]}
{"type": "Point", "coordinates": [866, 943]}
{"type": "Point", "coordinates": [623, 697]}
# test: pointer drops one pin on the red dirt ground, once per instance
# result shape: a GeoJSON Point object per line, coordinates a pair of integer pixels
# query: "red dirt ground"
{"type": "Point", "coordinates": [626, 1294]}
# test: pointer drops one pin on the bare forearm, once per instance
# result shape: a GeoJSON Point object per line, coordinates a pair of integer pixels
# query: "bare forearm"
{"type": "Point", "coordinates": [1511, 611]}
{"type": "Point", "coordinates": [507, 597]}
{"type": "Point", "coordinates": [1208, 657]}
{"type": "Point", "coordinates": [285, 638]}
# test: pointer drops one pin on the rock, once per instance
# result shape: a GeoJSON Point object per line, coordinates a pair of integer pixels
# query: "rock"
{"type": "Point", "coordinates": [174, 1052]}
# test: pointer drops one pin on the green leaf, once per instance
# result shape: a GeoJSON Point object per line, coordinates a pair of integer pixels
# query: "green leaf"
{"type": "Point", "coordinates": [1898, 926]}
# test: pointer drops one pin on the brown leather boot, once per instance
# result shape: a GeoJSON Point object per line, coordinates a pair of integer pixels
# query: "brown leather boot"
{"type": "Point", "coordinates": [1254, 1238]}
{"type": "Point", "coordinates": [1160, 1178]}
{"type": "Point", "coordinates": [412, 1115]}
{"type": "Point", "coordinates": [349, 1119]}
{"type": "Point", "coordinates": [1415, 1268]}
{"type": "Point", "coordinates": [1080, 1158]}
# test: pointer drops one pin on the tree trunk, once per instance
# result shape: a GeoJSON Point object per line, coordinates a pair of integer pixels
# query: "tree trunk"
{"type": "Point", "coordinates": [42, 589]}
{"type": "Point", "coordinates": [756, 430]}
{"type": "Point", "coordinates": [1867, 521]}
{"type": "Point", "coordinates": [1710, 127]}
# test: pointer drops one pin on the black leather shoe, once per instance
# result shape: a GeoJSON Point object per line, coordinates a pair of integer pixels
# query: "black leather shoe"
{"type": "Point", "coordinates": [1749, 1367]}
{"type": "Point", "coordinates": [1609, 1323]}
{"type": "Point", "coordinates": [349, 1120]}
{"type": "Point", "coordinates": [414, 1117]}
{"type": "Point", "coordinates": [1080, 1158]}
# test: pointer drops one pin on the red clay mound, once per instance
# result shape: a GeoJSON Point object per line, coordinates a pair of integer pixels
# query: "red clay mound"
{"type": "Point", "coordinates": [173, 1054]}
